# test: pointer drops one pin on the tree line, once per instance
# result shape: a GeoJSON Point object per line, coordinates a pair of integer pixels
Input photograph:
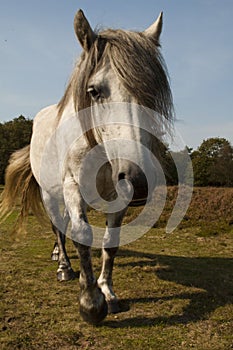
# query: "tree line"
{"type": "Point", "coordinates": [14, 135]}
{"type": "Point", "coordinates": [212, 161]}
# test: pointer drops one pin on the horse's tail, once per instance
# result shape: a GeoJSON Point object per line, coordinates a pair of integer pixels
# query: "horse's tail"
{"type": "Point", "coordinates": [21, 188]}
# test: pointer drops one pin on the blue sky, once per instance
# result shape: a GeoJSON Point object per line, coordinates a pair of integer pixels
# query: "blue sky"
{"type": "Point", "coordinates": [38, 49]}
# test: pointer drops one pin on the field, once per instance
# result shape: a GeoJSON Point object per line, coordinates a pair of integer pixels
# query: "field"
{"type": "Point", "coordinates": [175, 291]}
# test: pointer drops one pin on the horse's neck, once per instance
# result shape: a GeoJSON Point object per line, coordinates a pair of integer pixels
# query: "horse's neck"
{"type": "Point", "coordinates": [68, 112]}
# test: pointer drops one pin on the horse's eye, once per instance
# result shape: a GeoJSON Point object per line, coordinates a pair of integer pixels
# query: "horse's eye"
{"type": "Point", "coordinates": [95, 94]}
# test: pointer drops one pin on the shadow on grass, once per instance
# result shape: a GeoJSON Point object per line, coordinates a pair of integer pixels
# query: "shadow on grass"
{"type": "Point", "coordinates": [211, 277]}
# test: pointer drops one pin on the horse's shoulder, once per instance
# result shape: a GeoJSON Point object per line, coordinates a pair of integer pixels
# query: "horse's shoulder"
{"type": "Point", "coordinates": [47, 112]}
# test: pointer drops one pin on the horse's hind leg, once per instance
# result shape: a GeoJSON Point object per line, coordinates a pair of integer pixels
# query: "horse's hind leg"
{"type": "Point", "coordinates": [55, 252]}
{"type": "Point", "coordinates": [64, 271]}
{"type": "Point", "coordinates": [111, 243]}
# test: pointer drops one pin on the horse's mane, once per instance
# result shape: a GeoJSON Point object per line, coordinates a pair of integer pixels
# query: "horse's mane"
{"type": "Point", "coordinates": [139, 65]}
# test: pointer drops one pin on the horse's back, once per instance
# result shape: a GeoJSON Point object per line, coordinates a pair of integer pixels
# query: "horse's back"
{"type": "Point", "coordinates": [44, 125]}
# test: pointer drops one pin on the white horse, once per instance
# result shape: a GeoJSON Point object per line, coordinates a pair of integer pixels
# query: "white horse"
{"type": "Point", "coordinates": [117, 72]}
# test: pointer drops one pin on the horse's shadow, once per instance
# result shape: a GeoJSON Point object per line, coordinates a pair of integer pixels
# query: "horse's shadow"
{"type": "Point", "coordinates": [211, 279]}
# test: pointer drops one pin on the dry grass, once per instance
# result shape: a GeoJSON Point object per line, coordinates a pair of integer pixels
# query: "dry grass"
{"type": "Point", "coordinates": [208, 204]}
{"type": "Point", "coordinates": [176, 291]}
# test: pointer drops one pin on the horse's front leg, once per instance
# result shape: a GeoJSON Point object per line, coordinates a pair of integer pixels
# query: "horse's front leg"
{"type": "Point", "coordinates": [110, 248]}
{"type": "Point", "coordinates": [93, 307]}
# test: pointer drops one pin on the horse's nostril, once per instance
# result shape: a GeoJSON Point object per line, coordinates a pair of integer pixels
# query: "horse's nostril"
{"type": "Point", "coordinates": [121, 176]}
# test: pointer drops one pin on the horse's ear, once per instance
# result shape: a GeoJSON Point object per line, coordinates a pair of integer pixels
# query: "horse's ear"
{"type": "Point", "coordinates": [154, 31]}
{"type": "Point", "coordinates": [83, 30]}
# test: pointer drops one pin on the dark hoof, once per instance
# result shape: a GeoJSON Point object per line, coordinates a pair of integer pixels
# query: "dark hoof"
{"type": "Point", "coordinates": [93, 307]}
{"type": "Point", "coordinates": [94, 316]}
{"type": "Point", "coordinates": [65, 275]}
{"type": "Point", "coordinates": [113, 306]}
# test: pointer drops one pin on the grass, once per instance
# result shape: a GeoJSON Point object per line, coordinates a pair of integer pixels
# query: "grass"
{"type": "Point", "coordinates": [176, 292]}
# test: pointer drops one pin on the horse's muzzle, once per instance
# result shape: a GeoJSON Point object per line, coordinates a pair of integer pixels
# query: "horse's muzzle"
{"type": "Point", "coordinates": [138, 202]}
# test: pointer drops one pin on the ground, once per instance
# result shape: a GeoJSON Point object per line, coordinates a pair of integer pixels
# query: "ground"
{"type": "Point", "coordinates": [175, 291]}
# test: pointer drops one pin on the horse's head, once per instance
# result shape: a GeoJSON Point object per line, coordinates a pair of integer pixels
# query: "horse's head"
{"type": "Point", "coordinates": [122, 78]}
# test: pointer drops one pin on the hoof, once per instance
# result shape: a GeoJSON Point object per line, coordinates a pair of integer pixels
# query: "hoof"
{"type": "Point", "coordinates": [113, 306]}
{"type": "Point", "coordinates": [65, 274]}
{"type": "Point", "coordinates": [93, 311]}
{"type": "Point", "coordinates": [94, 316]}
